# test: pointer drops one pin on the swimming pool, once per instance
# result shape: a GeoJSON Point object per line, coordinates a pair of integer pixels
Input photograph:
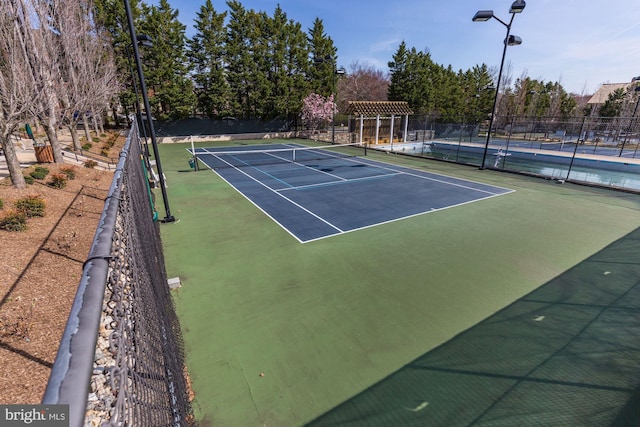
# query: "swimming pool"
{"type": "Point", "coordinates": [607, 171]}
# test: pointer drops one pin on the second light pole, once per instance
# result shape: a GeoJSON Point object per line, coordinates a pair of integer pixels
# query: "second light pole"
{"type": "Point", "coordinates": [485, 15]}
{"type": "Point", "coordinates": [145, 98]}
{"type": "Point", "coordinates": [337, 72]}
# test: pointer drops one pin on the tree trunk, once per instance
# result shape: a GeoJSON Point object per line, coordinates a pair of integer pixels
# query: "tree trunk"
{"type": "Point", "coordinates": [55, 144]}
{"type": "Point", "coordinates": [13, 164]}
{"type": "Point", "coordinates": [85, 125]}
{"type": "Point", "coordinates": [96, 128]}
{"type": "Point", "coordinates": [74, 137]}
{"type": "Point", "coordinates": [114, 111]}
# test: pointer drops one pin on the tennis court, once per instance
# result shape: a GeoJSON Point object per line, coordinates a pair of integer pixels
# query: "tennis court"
{"type": "Point", "coordinates": [317, 192]}
{"type": "Point", "coordinates": [514, 310]}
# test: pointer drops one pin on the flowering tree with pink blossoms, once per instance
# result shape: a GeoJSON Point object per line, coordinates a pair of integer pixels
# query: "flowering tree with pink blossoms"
{"type": "Point", "coordinates": [316, 109]}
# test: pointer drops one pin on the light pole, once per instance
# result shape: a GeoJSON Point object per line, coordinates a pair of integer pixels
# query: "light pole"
{"type": "Point", "coordinates": [329, 59]}
{"type": "Point", "coordinates": [144, 41]}
{"type": "Point", "coordinates": [143, 88]}
{"type": "Point", "coordinates": [485, 15]}
{"type": "Point", "coordinates": [338, 72]}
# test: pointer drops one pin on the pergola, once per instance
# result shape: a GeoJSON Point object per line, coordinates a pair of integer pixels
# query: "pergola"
{"type": "Point", "coordinates": [377, 120]}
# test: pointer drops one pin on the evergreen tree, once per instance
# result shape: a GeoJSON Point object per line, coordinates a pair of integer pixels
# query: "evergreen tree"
{"type": "Point", "coordinates": [400, 79]}
{"type": "Point", "coordinates": [451, 95]}
{"type": "Point", "coordinates": [206, 54]}
{"type": "Point", "coordinates": [476, 85]}
{"type": "Point", "coordinates": [239, 59]}
{"type": "Point", "coordinates": [324, 60]}
{"type": "Point", "coordinates": [166, 71]}
{"type": "Point", "coordinates": [416, 79]}
{"type": "Point", "coordinates": [613, 105]}
{"type": "Point", "coordinates": [287, 59]}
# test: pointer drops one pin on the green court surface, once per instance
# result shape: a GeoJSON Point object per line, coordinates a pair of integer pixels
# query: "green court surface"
{"type": "Point", "coordinates": [279, 333]}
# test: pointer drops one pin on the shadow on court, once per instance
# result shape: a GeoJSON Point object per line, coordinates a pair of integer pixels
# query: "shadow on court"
{"type": "Point", "coordinates": [566, 354]}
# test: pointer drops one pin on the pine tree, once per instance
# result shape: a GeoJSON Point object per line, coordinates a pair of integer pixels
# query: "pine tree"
{"type": "Point", "coordinates": [239, 60]}
{"type": "Point", "coordinates": [400, 79]}
{"type": "Point", "coordinates": [287, 62]}
{"type": "Point", "coordinates": [206, 54]}
{"type": "Point", "coordinates": [322, 73]}
{"type": "Point", "coordinates": [166, 71]}
{"type": "Point", "coordinates": [476, 85]}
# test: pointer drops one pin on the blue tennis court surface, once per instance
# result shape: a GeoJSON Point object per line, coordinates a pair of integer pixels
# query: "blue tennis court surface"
{"type": "Point", "coordinates": [318, 193]}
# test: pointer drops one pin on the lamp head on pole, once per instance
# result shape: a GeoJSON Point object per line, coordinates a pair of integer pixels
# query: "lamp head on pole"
{"type": "Point", "coordinates": [513, 41]}
{"type": "Point", "coordinates": [143, 38]}
{"type": "Point", "coordinates": [482, 15]}
{"type": "Point", "coordinates": [517, 6]}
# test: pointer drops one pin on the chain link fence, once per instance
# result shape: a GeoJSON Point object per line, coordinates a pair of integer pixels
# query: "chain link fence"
{"type": "Point", "coordinates": [120, 361]}
{"type": "Point", "coordinates": [593, 151]}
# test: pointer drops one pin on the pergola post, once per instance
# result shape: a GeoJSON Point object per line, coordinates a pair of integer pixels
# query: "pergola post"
{"type": "Point", "coordinates": [393, 119]}
{"type": "Point", "coordinates": [406, 128]}
{"type": "Point", "coordinates": [378, 110]}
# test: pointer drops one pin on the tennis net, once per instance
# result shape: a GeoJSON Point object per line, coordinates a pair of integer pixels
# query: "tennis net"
{"type": "Point", "coordinates": [303, 155]}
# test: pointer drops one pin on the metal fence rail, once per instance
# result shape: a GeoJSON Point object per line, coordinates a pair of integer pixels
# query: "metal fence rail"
{"type": "Point", "coordinates": [588, 150]}
{"type": "Point", "coordinates": [120, 360]}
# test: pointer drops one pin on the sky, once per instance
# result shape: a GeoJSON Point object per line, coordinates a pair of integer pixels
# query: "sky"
{"type": "Point", "coordinates": [579, 43]}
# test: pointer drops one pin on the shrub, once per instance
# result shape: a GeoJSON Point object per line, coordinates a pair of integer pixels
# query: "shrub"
{"type": "Point", "coordinates": [104, 151]}
{"type": "Point", "coordinates": [58, 180]}
{"type": "Point", "coordinates": [69, 171]}
{"type": "Point", "coordinates": [31, 206]}
{"type": "Point", "coordinates": [39, 172]}
{"type": "Point", "coordinates": [29, 179]}
{"type": "Point", "coordinates": [13, 221]}
{"type": "Point", "coordinates": [87, 146]}
{"type": "Point", "coordinates": [1, 204]}
{"type": "Point", "coordinates": [90, 164]}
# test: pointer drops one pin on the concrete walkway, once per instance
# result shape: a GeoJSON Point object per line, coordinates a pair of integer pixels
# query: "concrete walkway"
{"type": "Point", "coordinates": [26, 155]}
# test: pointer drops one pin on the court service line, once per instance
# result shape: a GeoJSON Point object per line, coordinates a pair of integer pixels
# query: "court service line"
{"type": "Point", "coordinates": [285, 161]}
{"type": "Point", "coordinates": [256, 168]}
{"type": "Point", "coordinates": [321, 171]}
{"type": "Point", "coordinates": [278, 194]}
{"type": "Point", "coordinates": [403, 169]}
{"type": "Point", "coordinates": [389, 221]}
{"type": "Point", "coordinates": [260, 170]}
{"type": "Point", "coordinates": [344, 181]}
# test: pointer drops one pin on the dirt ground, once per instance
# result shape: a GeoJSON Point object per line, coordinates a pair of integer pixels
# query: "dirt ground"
{"type": "Point", "coordinates": [40, 269]}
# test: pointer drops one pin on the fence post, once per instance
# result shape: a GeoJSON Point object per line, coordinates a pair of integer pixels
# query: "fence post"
{"type": "Point", "coordinates": [575, 150]}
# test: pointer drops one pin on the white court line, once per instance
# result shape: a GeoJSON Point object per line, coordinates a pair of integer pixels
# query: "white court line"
{"type": "Point", "coordinates": [428, 178]}
{"type": "Point", "coordinates": [383, 165]}
{"type": "Point", "coordinates": [373, 163]}
{"type": "Point", "coordinates": [280, 195]}
{"type": "Point", "coordinates": [344, 181]}
{"type": "Point", "coordinates": [404, 217]}
{"type": "Point", "coordinates": [285, 161]}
